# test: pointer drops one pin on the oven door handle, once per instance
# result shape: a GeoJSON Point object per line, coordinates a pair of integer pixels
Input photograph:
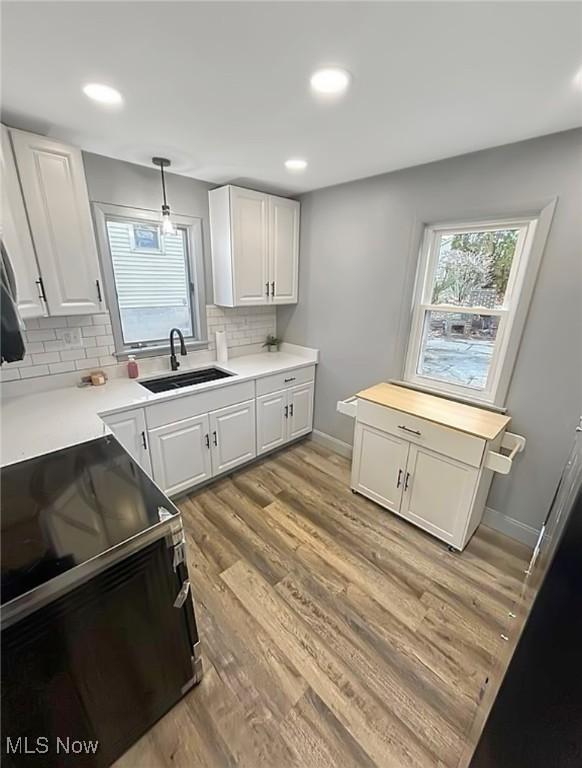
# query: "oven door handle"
{"type": "Point", "coordinates": [182, 594]}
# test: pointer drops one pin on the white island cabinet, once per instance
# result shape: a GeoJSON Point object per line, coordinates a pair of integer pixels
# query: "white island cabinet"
{"type": "Point", "coordinates": [428, 459]}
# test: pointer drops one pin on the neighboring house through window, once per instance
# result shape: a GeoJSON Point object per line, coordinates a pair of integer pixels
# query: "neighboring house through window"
{"type": "Point", "coordinates": [473, 287]}
{"type": "Point", "coordinates": [154, 282]}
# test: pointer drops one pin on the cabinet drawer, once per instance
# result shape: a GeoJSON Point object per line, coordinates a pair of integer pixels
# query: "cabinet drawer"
{"type": "Point", "coordinates": [184, 407]}
{"type": "Point", "coordinates": [449, 442]}
{"type": "Point", "coordinates": [286, 379]}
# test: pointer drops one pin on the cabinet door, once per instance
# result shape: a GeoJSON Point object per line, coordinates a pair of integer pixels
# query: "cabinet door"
{"type": "Point", "coordinates": [379, 465]}
{"type": "Point", "coordinates": [438, 494]}
{"type": "Point", "coordinates": [232, 436]}
{"type": "Point", "coordinates": [56, 198]}
{"type": "Point", "coordinates": [272, 420]}
{"type": "Point", "coordinates": [129, 428]}
{"type": "Point", "coordinates": [16, 237]}
{"type": "Point", "coordinates": [284, 249]}
{"type": "Point", "coordinates": [249, 246]}
{"type": "Point", "coordinates": [181, 454]}
{"type": "Point", "coordinates": [300, 410]}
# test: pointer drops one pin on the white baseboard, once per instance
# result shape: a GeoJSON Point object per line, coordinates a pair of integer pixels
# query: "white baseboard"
{"type": "Point", "coordinates": [511, 527]}
{"type": "Point", "coordinates": [333, 443]}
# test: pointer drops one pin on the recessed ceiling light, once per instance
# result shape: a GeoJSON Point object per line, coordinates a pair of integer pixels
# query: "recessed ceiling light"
{"type": "Point", "coordinates": [295, 164]}
{"type": "Point", "coordinates": [330, 81]}
{"type": "Point", "coordinates": [104, 94]}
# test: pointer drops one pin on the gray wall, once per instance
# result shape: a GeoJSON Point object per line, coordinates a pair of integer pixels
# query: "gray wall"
{"type": "Point", "coordinates": [359, 247]}
{"type": "Point", "coordinates": [119, 183]}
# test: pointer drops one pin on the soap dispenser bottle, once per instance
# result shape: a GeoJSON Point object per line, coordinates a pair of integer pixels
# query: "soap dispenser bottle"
{"type": "Point", "coordinates": [132, 369]}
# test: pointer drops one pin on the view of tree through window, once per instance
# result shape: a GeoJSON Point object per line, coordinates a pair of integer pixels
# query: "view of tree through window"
{"type": "Point", "coordinates": [472, 263]}
{"type": "Point", "coordinates": [472, 269]}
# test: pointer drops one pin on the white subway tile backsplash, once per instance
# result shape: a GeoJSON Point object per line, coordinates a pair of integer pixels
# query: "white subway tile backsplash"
{"type": "Point", "coordinates": [72, 354]}
{"type": "Point", "coordinates": [61, 367]}
{"type": "Point", "coordinates": [46, 357]}
{"type": "Point", "coordinates": [46, 353]}
{"type": "Point", "coordinates": [49, 346]}
{"type": "Point", "coordinates": [37, 346]}
{"type": "Point", "coordinates": [9, 373]}
{"type": "Point", "coordinates": [47, 334]}
{"type": "Point", "coordinates": [34, 370]}
{"type": "Point", "coordinates": [93, 330]}
{"type": "Point", "coordinates": [78, 321]}
{"type": "Point", "coordinates": [91, 362]}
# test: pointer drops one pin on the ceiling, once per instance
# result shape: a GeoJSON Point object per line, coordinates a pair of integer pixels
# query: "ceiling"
{"type": "Point", "coordinates": [223, 88]}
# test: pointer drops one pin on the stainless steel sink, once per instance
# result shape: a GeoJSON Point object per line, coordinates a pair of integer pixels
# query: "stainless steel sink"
{"type": "Point", "coordinates": [186, 379]}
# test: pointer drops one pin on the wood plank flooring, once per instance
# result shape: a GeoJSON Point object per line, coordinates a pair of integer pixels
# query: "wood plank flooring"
{"type": "Point", "coordinates": [334, 633]}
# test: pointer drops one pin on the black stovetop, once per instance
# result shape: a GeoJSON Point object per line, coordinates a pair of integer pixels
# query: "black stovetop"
{"type": "Point", "coordinates": [64, 508]}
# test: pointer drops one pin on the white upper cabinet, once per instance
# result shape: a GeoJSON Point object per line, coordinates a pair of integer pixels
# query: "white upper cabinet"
{"type": "Point", "coordinates": [17, 239]}
{"type": "Point", "coordinates": [250, 258]}
{"type": "Point", "coordinates": [283, 249]}
{"type": "Point", "coordinates": [255, 247]}
{"type": "Point", "coordinates": [56, 199]}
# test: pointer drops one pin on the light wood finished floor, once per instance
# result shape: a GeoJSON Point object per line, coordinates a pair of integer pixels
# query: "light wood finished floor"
{"type": "Point", "coordinates": [334, 634]}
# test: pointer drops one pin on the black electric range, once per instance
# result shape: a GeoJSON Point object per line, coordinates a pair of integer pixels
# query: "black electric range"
{"type": "Point", "coordinates": [99, 637]}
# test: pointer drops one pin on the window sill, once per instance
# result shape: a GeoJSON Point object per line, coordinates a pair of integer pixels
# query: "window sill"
{"type": "Point", "coordinates": [160, 351]}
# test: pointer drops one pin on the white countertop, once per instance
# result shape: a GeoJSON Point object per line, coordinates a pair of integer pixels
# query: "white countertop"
{"type": "Point", "coordinates": [47, 421]}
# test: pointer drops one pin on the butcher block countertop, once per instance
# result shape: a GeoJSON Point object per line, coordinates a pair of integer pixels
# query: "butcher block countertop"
{"type": "Point", "coordinates": [466, 418]}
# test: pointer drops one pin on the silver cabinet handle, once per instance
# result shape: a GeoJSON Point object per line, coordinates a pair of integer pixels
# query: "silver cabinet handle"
{"type": "Point", "coordinates": [144, 441]}
{"type": "Point", "coordinates": [267, 287]}
{"type": "Point", "coordinates": [273, 288]}
{"type": "Point", "coordinates": [291, 410]}
{"type": "Point", "coordinates": [182, 594]}
{"type": "Point", "coordinates": [286, 411]}
{"type": "Point", "coordinates": [406, 481]}
{"type": "Point", "coordinates": [412, 431]}
{"type": "Point", "coordinates": [291, 378]}
{"type": "Point", "coordinates": [215, 438]}
{"type": "Point", "coordinates": [399, 478]}
{"type": "Point", "coordinates": [207, 440]}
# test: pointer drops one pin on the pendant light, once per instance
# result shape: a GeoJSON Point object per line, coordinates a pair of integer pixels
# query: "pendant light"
{"type": "Point", "coordinates": [167, 226]}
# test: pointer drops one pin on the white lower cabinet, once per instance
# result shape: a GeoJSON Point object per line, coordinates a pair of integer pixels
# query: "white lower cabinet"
{"type": "Point", "coordinates": [233, 436]}
{"type": "Point", "coordinates": [438, 493]}
{"type": "Point", "coordinates": [271, 421]}
{"type": "Point", "coordinates": [379, 465]}
{"type": "Point", "coordinates": [129, 427]}
{"type": "Point", "coordinates": [300, 410]}
{"type": "Point", "coordinates": [283, 416]}
{"type": "Point", "coordinates": [433, 491]}
{"type": "Point", "coordinates": [181, 454]}
{"type": "Point", "coordinates": [218, 433]}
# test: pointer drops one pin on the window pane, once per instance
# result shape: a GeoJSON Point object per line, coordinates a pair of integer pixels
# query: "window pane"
{"type": "Point", "coordinates": [472, 268]}
{"type": "Point", "coordinates": [151, 280]}
{"type": "Point", "coordinates": [457, 347]}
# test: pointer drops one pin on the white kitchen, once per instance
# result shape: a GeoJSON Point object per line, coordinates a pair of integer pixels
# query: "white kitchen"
{"type": "Point", "coordinates": [291, 375]}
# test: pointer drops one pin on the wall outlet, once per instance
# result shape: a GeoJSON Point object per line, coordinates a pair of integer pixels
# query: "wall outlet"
{"type": "Point", "coordinates": [71, 338]}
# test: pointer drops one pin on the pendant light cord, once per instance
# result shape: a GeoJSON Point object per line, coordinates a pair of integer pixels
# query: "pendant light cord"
{"type": "Point", "coordinates": [163, 184]}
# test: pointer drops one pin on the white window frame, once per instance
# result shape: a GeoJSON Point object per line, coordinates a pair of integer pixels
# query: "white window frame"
{"type": "Point", "coordinates": [533, 231]}
{"type": "Point", "coordinates": [193, 227]}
